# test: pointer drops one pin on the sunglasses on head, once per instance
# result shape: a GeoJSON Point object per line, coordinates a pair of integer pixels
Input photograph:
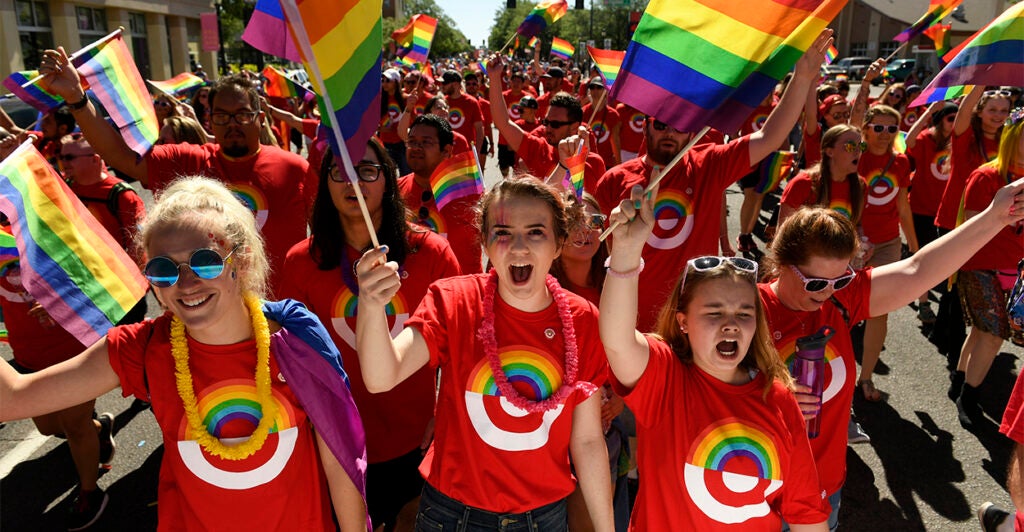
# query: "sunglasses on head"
{"type": "Point", "coordinates": [855, 147]}
{"type": "Point", "coordinates": [815, 284]}
{"type": "Point", "coordinates": [878, 128]}
{"type": "Point", "coordinates": [998, 92]}
{"type": "Point", "coordinates": [206, 263]}
{"type": "Point", "coordinates": [708, 263]}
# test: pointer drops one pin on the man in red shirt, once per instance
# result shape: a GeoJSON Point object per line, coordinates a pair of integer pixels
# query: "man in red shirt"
{"type": "Point", "coordinates": [551, 82]}
{"type": "Point", "coordinates": [464, 113]}
{"type": "Point", "coordinates": [512, 97]}
{"type": "Point", "coordinates": [605, 123]}
{"type": "Point", "coordinates": [473, 88]}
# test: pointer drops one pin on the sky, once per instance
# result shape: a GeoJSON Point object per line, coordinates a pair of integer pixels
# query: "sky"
{"type": "Point", "coordinates": [472, 17]}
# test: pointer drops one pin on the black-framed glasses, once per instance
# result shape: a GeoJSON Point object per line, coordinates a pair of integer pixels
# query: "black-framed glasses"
{"type": "Point", "coordinates": [710, 262]}
{"type": "Point", "coordinates": [817, 284]}
{"type": "Point", "coordinates": [206, 263]}
{"type": "Point", "coordinates": [852, 146]}
{"type": "Point", "coordinates": [366, 172]}
{"type": "Point", "coordinates": [878, 128]}
{"type": "Point", "coordinates": [71, 156]}
{"type": "Point", "coordinates": [422, 144]}
{"type": "Point", "coordinates": [555, 124]}
{"type": "Point", "coordinates": [243, 119]}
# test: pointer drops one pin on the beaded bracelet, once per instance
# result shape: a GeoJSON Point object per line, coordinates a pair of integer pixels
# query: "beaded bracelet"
{"type": "Point", "coordinates": [623, 275]}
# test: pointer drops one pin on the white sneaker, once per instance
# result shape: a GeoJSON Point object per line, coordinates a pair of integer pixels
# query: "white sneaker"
{"type": "Point", "coordinates": [855, 433]}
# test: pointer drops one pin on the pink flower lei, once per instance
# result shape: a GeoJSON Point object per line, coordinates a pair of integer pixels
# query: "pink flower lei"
{"type": "Point", "coordinates": [489, 340]}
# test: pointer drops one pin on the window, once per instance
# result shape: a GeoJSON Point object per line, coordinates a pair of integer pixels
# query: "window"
{"type": "Point", "coordinates": [887, 48]}
{"type": "Point", "coordinates": [34, 30]}
{"type": "Point", "coordinates": [859, 48]}
{"type": "Point", "coordinates": [140, 45]}
{"type": "Point", "coordinates": [92, 24]}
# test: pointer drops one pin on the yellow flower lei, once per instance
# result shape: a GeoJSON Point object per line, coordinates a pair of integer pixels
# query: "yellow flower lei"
{"type": "Point", "coordinates": [183, 378]}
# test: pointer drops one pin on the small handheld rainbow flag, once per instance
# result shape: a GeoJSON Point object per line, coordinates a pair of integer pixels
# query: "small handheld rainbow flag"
{"type": "Point", "coordinates": [278, 85]}
{"type": "Point", "coordinates": [8, 250]}
{"type": "Point", "coordinates": [992, 56]}
{"type": "Point", "coordinates": [179, 84]}
{"type": "Point", "coordinates": [576, 165]}
{"type": "Point", "coordinates": [543, 15]}
{"type": "Point", "coordinates": [456, 177]}
{"type": "Point", "coordinates": [939, 34]}
{"type": "Point", "coordinates": [31, 93]}
{"type": "Point", "coordinates": [608, 63]}
{"type": "Point", "coordinates": [482, 67]}
{"type": "Point", "coordinates": [415, 38]}
{"type": "Point", "coordinates": [899, 142]}
{"type": "Point", "coordinates": [831, 54]}
{"type": "Point", "coordinates": [532, 43]}
{"type": "Point", "coordinates": [562, 48]}
{"type": "Point", "coordinates": [69, 262]}
{"type": "Point", "coordinates": [937, 10]}
{"type": "Point", "coordinates": [773, 169]}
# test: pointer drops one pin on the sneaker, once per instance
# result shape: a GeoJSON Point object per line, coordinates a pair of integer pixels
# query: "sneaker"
{"type": "Point", "coordinates": [925, 314]}
{"type": "Point", "coordinates": [107, 445]}
{"type": "Point", "coordinates": [745, 243]}
{"type": "Point", "coordinates": [992, 517]}
{"type": "Point", "coordinates": [855, 433]}
{"type": "Point", "coordinates": [87, 509]}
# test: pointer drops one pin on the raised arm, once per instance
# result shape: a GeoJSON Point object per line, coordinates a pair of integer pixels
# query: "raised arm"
{"type": "Point", "coordinates": [384, 361]}
{"type": "Point", "coordinates": [626, 348]}
{"type": "Point", "coordinates": [810, 111]}
{"type": "Point", "coordinates": [61, 78]}
{"type": "Point", "coordinates": [896, 284]}
{"type": "Point", "coordinates": [499, 113]}
{"type": "Point", "coordinates": [782, 119]}
{"type": "Point", "coordinates": [921, 123]}
{"type": "Point", "coordinates": [966, 110]}
{"type": "Point", "coordinates": [860, 104]}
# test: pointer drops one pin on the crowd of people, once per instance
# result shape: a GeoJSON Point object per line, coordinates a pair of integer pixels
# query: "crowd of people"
{"type": "Point", "coordinates": [490, 363]}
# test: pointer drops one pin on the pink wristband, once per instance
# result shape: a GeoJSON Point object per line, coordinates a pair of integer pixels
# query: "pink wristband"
{"type": "Point", "coordinates": [623, 275]}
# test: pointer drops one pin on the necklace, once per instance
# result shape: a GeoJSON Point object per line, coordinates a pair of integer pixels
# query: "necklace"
{"type": "Point", "coordinates": [489, 340]}
{"type": "Point", "coordinates": [183, 378]}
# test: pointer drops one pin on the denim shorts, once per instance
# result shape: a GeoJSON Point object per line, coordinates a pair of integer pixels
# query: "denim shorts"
{"type": "Point", "coordinates": [439, 512]}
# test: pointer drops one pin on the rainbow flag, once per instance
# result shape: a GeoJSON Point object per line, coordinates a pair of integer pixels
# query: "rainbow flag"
{"type": "Point", "coordinates": [267, 31]}
{"type": "Point", "coordinates": [278, 85]}
{"type": "Point", "coordinates": [562, 48]}
{"type": "Point", "coordinates": [69, 262]}
{"type": "Point", "coordinates": [456, 177]}
{"type": "Point", "coordinates": [831, 54]}
{"type": "Point", "coordinates": [899, 143]}
{"type": "Point", "coordinates": [8, 250]}
{"type": "Point", "coordinates": [179, 84]}
{"type": "Point", "coordinates": [696, 63]}
{"type": "Point", "coordinates": [608, 63]}
{"type": "Point", "coordinates": [482, 67]}
{"type": "Point", "coordinates": [992, 56]}
{"type": "Point", "coordinates": [939, 34]}
{"type": "Point", "coordinates": [532, 43]}
{"type": "Point", "coordinates": [772, 170]}
{"type": "Point", "coordinates": [543, 15]}
{"type": "Point", "coordinates": [937, 10]}
{"type": "Point", "coordinates": [576, 166]}
{"type": "Point", "coordinates": [415, 38]}
{"type": "Point", "coordinates": [109, 68]}
{"type": "Point", "coordinates": [31, 94]}
{"type": "Point", "coordinates": [341, 43]}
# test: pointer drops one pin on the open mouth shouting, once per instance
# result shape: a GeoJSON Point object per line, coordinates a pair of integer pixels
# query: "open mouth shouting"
{"type": "Point", "coordinates": [520, 273]}
{"type": "Point", "coordinates": [728, 348]}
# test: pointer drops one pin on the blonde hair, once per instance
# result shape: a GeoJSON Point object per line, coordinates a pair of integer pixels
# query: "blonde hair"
{"type": "Point", "coordinates": [203, 202]}
{"type": "Point", "coordinates": [1007, 153]}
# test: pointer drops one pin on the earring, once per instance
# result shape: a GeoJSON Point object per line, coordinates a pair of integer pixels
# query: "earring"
{"type": "Point", "coordinates": [233, 274]}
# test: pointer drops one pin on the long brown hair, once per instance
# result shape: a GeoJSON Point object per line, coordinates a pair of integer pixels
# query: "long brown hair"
{"type": "Point", "coordinates": [821, 174]}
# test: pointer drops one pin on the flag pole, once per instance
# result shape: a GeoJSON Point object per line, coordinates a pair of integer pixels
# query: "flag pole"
{"type": "Point", "coordinates": [476, 159]}
{"type": "Point", "coordinates": [77, 54]}
{"type": "Point", "coordinates": [598, 105]}
{"type": "Point", "coordinates": [508, 43]}
{"type": "Point", "coordinates": [662, 174]}
{"type": "Point", "coordinates": [292, 12]}
{"type": "Point", "coordinates": [896, 51]}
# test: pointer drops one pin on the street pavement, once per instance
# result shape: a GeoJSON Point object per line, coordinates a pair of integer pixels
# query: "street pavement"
{"type": "Point", "coordinates": [921, 470]}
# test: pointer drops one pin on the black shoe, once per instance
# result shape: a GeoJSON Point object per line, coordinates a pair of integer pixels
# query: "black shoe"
{"type": "Point", "coordinates": [87, 509]}
{"type": "Point", "coordinates": [107, 445]}
{"type": "Point", "coordinates": [991, 517]}
{"type": "Point", "coordinates": [967, 408]}
{"type": "Point", "coordinates": [956, 383]}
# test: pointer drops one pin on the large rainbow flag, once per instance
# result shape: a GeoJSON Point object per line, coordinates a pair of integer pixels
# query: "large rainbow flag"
{"type": "Point", "coordinates": [340, 42]}
{"type": "Point", "coordinates": [109, 68]}
{"type": "Point", "coordinates": [608, 63]}
{"type": "Point", "coordinates": [543, 15]}
{"type": "Point", "coordinates": [696, 63]}
{"type": "Point", "coordinates": [267, 31]}
{"type": "Point", "coordinates": [415, 38]}
{"type": "Point", "coordinates": [69, 263]}
{"type": "Point", "coordinates": [31, 93]}
{"type": "Point", "coordinates": [562, 48]}
{"type": "Point", "coordinates": [992, 56]}
{"type": "Point", "coordinates": [179, 84]}
{"type": "Point", "coordinates": [456, 177]}
{"type": "Point", "coordinates": [278, 85]}
{"type": "Point", "coordinates": [937, 10]}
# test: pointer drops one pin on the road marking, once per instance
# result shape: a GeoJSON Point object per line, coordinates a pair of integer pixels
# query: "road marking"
{"type": "Point", "coordinates": [21, 452]}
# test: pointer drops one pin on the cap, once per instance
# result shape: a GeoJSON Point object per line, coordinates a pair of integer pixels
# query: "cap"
{"type": "Point", "coordinates": [528, 102]}
{"type": "Point", "coordinates": [451, 76]}
{"type": "Point", "coordinates": [554, 72]}
{"type": "Point", "coordinates": [596, 81]}
{"type": "Point", "coordinates": [831, 100]}
{"type": "Point", "coordinates": [392, 75]}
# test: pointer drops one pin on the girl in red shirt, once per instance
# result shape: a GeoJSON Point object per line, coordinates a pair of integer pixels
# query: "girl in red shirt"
{"type": "Point", "coordinates": [520, 363]}
{"type": "Point", "coordinates": [713, 401]}
{"type": "Point", "coordinates": [832, 182]}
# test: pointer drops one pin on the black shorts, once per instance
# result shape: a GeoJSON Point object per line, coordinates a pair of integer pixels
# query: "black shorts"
{"type": "Point", "coordinates": [750, 180]}
{"type": "Point", "coordinates": [506, 157]}
{"type": "Point", "coordinates": [391, 485]}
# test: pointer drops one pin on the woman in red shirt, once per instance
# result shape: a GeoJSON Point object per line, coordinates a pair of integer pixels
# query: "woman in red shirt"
{"type": "Point", "coordinates": [833, 181]}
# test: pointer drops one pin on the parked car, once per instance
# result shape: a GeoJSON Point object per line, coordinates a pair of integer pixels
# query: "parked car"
{"type": "Point", "coordinates": [20, 112]}
{"type": "Point", "coordinates": [852, 67]}
{"type": "Point", "coordinates": [898, 70]}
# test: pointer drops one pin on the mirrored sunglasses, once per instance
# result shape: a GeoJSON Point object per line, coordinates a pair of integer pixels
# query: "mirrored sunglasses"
{"type": "Point", "coordinates": [206, 263]}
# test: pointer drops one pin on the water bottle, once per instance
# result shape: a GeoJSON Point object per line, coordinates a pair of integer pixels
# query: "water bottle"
{"type": "Point", "coordinates": [809, 369]}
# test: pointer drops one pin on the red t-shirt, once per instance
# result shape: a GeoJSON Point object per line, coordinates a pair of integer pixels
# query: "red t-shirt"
{"type": "Point", "coordinates": [714, 455]}
{"type": "Point", "coordinates": [281, 487]}
{"type": "Point", "coordinates": [881, 218]}
{"type": "Point", "coordinates": [457, 222]}
{"type": "Point", "coordinates": [512, 104]}
{"type": "Point", "coordinates": [421, 103]}
{"type": "Point", "coordinates": [541, 158]}
{"type": "Point", "coordinates": [463, 112]}
{"type": "Point", "coordinates": [910, 116]}
{"type": "Point", "coordinates": [270, 183]}
{"type": "Point", "coordinates": [931, 172]}
{"type": "Point", "coordinates": [1007, 247]}
{"type": "Point", "coordinates": [35, 346]}
{"type": "Point", "coordinates": [396, 420]}
{"type": "Point", "coordinates": [543, 101]}
{"type": "Point", "coordinates": [799, 192]}
{"type": "Point", "coordinates": [841, 373]}
{"type": "Point", "coordinates": [130, 210]}
{"type": "Point", "coordinates": [486, 452]}
{"type": "Point", "coordinates": [1013, 427]}
{"type": "Point", "coordinates": [682, 231]}
{"type": "Point", "coordinates": [631, 134]}
{"type": "Point", "coordinates": [965, 157]}
{"type": "Point", "coordinates": [527, 127]}
{"type": "Point", "coordinates": [388, 130]}
{"type": "Point", "coordinates": [756, 120]}
{"type": "Point", "coordinates": [602, 125]}
{"type": "Point", "coordinates": [459, 143]}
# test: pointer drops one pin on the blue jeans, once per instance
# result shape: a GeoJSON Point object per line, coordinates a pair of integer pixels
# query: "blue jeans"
{"type": "Point", "coordinates": [438, 512]}
{"type": "Point", "coordinates": [833, 518]}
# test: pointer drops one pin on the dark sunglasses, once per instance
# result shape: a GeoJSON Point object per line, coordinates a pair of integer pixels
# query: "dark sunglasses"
{"type": "Point", "coordinates": [707, 263]}
{"type": "Point", "coordinates": [815, 284]}
{"type": "Point", "coordinates": [206, 263]}
{"type": "Point", "coordinates": [69, 158]}
{"type": "Point", "coordinates": [596, 221]}
{"type": "Point", "coordinates": [554, 124]}
{"type": "Point", "coordinates": [878, 128]}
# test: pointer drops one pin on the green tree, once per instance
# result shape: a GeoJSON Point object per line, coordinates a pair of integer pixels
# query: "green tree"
{"type": "Point", "coordinates": [596, 22]}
